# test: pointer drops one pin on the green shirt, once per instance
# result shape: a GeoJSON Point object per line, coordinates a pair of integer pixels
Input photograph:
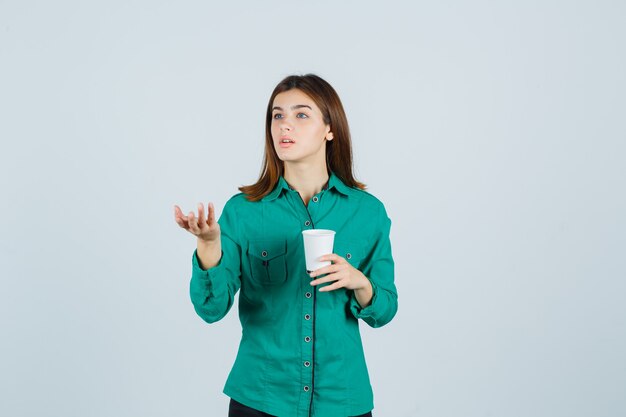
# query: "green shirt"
{"type": "Point", "coordinates": [300, 352]}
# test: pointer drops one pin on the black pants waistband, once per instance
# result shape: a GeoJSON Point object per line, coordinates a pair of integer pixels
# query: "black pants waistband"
{"type": "Point", "coordinates": [237, 409]}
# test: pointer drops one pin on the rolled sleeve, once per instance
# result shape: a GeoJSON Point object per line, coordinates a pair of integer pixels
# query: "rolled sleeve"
{"type": "Point", "coordinates": [213, 290]}
{"type": "Point", "coordinates": [378, 267]}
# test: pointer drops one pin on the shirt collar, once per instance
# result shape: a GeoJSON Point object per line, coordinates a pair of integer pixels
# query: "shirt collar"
{"type": "Point", "coordinates": [333, 182]}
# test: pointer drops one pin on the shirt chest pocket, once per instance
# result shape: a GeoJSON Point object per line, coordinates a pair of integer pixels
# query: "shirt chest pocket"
{"type": "Point", "coordinates": [268, 261]}
{"type": "Point", "coordinates": [351, 250]}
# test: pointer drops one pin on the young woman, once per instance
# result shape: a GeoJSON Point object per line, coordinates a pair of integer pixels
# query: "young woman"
{"type": "Point", "coordinates": [300, 352]}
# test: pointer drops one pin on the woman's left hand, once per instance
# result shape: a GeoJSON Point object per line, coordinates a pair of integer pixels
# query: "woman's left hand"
{"type": "Point", "coordinates": [345, 275]}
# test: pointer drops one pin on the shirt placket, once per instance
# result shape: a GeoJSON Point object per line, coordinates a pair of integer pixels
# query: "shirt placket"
{"type": "Point", "coordinates": [307, 379]}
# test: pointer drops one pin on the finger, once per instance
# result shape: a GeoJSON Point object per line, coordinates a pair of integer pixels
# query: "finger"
{"type": "Point", "coordinates": [177, 213]}
{"type": "Point", "coordinates": [193, 224]}
{"type": "Point", "coordinates": [180, 219]}
{"type": "Point", "coordinates": [211, 209]}
{"type": "Point", "coordinates": [325, 270]}
{"type": "Point", "coordinates": [331, 287]}
{"type": "Point", "coordinates": [322, 270]}
{"type": "Point", "coordinates": [180, 222]}
{"type": "Point", "coordinates": [180, 214]}
{"type": "Point", "coordinates": [333, 257]}
{"type": "Point", "coordinates": [327, 278]}
{"type": "Point", "coordinates": [201, 218]}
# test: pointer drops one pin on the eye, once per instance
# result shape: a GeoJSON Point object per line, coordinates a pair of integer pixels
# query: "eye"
{"type": "Point", "coordinates": [305, 116]}
{"type": "Point", "coordinates": [277, 114]}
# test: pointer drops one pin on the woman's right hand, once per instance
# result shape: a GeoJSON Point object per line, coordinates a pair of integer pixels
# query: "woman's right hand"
{"type": "Point", "coordinates": [207, 230]}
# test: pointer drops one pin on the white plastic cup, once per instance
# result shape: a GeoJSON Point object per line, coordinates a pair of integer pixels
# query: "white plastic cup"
{"type": "Point", "coordinates": [317, 242]}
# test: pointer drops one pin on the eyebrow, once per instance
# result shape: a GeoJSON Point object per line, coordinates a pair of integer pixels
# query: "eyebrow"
{"type": "Point", "coordinates": [297, 106]}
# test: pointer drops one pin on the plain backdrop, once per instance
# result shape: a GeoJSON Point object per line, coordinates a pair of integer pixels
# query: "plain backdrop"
{"type": "Point", "coordinates": [492, 131]}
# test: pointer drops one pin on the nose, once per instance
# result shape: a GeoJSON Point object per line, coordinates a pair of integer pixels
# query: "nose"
{"type": "Point", "coordinates": [284, 126]}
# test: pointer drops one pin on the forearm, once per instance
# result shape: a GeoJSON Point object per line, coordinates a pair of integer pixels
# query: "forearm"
{"type": "Point", "coordinates": [209, 253]}
{"type": "Point", "coordinates": [364, 294]}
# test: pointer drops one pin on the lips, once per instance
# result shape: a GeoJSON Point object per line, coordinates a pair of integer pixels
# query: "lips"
{"type": "Point", "coordinates": [286, 144]}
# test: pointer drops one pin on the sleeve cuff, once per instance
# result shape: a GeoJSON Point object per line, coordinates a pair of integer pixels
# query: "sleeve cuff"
{"type": "Point", "coordinates": [205, 273]}
{"type": "Point", "coordinates": [207, 283]}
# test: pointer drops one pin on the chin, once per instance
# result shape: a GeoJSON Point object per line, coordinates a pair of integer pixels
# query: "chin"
{"type": "Point", "coordinates": [286, 156]}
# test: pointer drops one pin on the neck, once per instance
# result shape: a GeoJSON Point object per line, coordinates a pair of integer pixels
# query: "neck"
{"type": "Point", "coordinates": [307, 180]}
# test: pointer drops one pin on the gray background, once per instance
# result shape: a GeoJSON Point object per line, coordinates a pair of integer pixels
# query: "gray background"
{"type": "Point", "coordinates": [492, 131]}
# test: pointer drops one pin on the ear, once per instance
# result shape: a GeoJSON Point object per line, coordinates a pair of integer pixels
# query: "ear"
{"type": "Point", "coordinates": [329, 136]}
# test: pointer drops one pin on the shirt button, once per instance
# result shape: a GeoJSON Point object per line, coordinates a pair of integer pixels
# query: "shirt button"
{"type": "Point", "coordinates": [307, 316]}
{"type": "Point", "coordinates": [307, 295]}
{"type": "Point", "coordinates": [307, 363]}
{"type": "Point", "coordinates": [307, 339]}
{"type": "Point", "coordinates": [348, 255]}
{"type": "Point", "coordinates": [264, 253]}
{"type": "Point", "coordinates": [306, 388]}
{"type": "Point", "coordinates": [315, 199]}
{"type": "Point", "coordinates": [306, 223]}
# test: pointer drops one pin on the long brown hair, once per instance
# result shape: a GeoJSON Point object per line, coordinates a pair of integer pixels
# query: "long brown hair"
{"type": "Point", "coordinates": [338, 150]}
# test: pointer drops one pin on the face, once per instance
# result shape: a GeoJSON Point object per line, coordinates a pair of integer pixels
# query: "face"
{"type": "Point", "coordinates": [296, 117]}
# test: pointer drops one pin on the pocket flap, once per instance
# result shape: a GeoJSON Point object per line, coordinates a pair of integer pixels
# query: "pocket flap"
{"type": "Point", "coordinates": [267, 249]}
